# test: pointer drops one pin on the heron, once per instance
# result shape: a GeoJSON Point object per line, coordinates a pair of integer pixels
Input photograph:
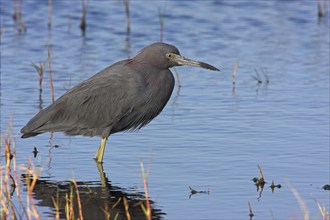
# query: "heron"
{"type": "Point", "coordinates": [124, 96]}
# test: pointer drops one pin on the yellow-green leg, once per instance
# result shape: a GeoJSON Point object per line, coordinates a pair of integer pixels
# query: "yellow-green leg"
{"type": "Point", "coordinates": [100, 152]}
{"type": "Point", "coordinates": [103, 178]}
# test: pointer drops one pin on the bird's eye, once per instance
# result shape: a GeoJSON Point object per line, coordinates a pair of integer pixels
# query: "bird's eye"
{"type": "Point", "coordinates": [168, 55]}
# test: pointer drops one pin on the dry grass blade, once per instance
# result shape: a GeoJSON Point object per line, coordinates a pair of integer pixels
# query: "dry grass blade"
{"type": "Point", "coordinates": [145, 184]}
{"type": "Point", "coordinates": [128, 216]}
{"type": "Point", "coordinates": [78, 200]}
{"type": "Point", "coordinates": [324, 212]}
{"type": "Point", "coordinates": [57, 208]}
{"type": "Point", "coordinates": [301, 202]}
{"type": "Point", "coordinates": [40, 70]}
{"type": "Point", "coordinates": [67, 207]}
{"type": "Point", "coordinates": [260, 171]}
{"type": "Point", "coordinates": [233, 74]}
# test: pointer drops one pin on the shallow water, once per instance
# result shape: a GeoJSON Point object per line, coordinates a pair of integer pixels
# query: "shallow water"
{"type": "Point", "coordinates": [212, 134]}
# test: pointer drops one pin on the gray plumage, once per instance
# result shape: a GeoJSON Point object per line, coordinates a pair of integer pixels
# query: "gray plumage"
{"type": "Point", "coordinates": [124, 96]}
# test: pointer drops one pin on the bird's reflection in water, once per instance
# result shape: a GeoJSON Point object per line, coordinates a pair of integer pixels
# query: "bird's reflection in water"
{"type": "Point", "coordinates": [99, 199]}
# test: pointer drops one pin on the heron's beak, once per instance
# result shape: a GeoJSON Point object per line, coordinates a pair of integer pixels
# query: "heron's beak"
{"type": "Point", "coordinates": [181, 60]}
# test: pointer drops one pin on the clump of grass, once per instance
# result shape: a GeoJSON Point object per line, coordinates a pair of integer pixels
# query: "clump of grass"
{"type": "Point", "coordinates": [7, 182]}
{"type": "Point", "coordinates": [259, 181]}
{"type": "Point", "coordinates": [25, 209]}
{"type": "Point", "coordinates": [70, 201]}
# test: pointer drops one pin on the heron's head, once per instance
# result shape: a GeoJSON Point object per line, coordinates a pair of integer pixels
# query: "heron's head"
{"type": "Point", "coordinates": [165, 56]}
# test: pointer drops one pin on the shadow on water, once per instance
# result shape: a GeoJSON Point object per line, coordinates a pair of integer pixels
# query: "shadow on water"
{"type": "Point", "coordinates": [99, 199]}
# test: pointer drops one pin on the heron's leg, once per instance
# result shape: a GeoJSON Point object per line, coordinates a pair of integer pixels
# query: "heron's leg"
{"type": "Point", "coordinates": [100, 152]}
{"type": "Point", "coordinates": [103, 178]}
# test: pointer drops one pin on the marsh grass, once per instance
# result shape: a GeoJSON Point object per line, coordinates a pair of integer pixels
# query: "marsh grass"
{"type": "Point", "coordinates": [82, 25]}
{"type": "Point", "coordinates": [146, 210]}
{"type": "Point", "coordinates": [258, 77]}
{"type": "Point", "coordinates": [17, 16]}
{"type": "Point", "coordinates": [50, 73]}
{"type": "Point", "coordinates": [324, 212]}
{"type": "Point", "coordinates": [233, 74]}
{"type": "Point", "coordinates": [18, 205]}
{"type": "Point", "coordinates": [128, 17]}
{"type": "Point", "coordinates": [25, 208]}
{"type": "Point", "coordinates": [250, 210]}
{"type": "Point", "coordinates": [161, 15]}
{"type": "Point", "coordinates": [50, 3]}
{"type": "Point", "coordinates": [40, 70]}
{"type": "Point", "coordinates": [322, 8]}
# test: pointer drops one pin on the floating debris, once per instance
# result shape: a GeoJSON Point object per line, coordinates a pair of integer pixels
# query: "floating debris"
{"type": "Point", "coordinates": [35, 152]}
{"type": "Point", "coordinates": [326, 187]}
{"type": "Point", "coordinates": [193, 192]}
{"type": "Point", "coordinates": [273, 186]}
{"type": "Point", "coordinates": [260, 183]}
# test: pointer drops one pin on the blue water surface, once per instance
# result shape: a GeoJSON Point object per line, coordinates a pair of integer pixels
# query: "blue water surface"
{"type": "Point", "coordinates": [213, 134]}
